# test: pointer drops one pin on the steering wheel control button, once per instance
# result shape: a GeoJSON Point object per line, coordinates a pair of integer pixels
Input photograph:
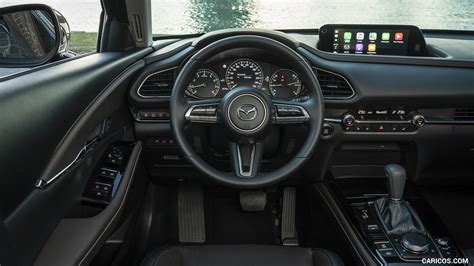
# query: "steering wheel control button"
{"type": "Point", "coordinates": [288, 114]}
{"type": "Point", "coordinates": [415, 242]}
{"type": "Point", "coordinates": [202, 114]}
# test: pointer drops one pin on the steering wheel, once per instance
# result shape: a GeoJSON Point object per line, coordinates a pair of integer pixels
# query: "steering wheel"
{"type": "Point", "coordinates": [248, 115]}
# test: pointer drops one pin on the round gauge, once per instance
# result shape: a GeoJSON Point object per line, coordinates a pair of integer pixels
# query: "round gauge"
{"type": "Point", "coordinates": [244, 72]}
{"type": "Point", "coordinates": [206, 84]}
{"type": "Point", "coordinates": [285, 84]}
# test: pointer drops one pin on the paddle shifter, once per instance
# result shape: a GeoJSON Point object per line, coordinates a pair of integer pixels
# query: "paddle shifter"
{"type": "Point", "coordinates": [399, 218]}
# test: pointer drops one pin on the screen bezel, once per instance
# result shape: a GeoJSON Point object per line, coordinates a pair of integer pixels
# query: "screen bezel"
{"type": "Point", "coordinates": [326, 37]}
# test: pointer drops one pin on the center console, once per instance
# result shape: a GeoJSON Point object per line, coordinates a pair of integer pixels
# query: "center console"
{"type": "Point", "coordinates": [397, 228]}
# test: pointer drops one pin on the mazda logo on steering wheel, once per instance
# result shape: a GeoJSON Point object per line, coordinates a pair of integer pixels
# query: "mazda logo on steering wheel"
{"type": "Point", "coordinates": [247, 112]}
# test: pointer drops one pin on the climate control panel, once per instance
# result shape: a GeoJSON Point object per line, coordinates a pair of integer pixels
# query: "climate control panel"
{"type": "Point", "coordinates": [382, 120]}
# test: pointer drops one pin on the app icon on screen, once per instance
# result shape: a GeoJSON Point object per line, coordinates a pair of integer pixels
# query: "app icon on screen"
{"type": "Point", "coordinates": [398, 36]}
{"type": "Point", "coordinates": [373, 36]}
{"type": "Point", "coordinates": [359, 47]}
{"type": "Point", "coordinates": [347, 35]}
{"type": "Point", "coordinates": [385, 36]}
{"type": "Point", "coordinates": [347, 46]}
{"type": "Point", "coordinates": [360, 36]}
{"type": "Point", "coordinates": [371, 47]}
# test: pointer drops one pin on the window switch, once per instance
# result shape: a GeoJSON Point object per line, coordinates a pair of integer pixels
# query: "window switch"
{"type": "Point", "coordinates": [108, 173]}
{"type": "Point", "coordinates": [98, 186]}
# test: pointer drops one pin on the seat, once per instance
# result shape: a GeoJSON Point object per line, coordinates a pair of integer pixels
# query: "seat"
{"type": "Point", "coordinates": [240, 255]}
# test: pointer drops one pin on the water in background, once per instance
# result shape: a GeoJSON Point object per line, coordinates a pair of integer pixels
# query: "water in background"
{"type": "Point", "coordinates": [196, 16]}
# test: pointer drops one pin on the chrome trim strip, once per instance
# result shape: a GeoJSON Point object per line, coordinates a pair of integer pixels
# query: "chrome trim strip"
{"type": "Point", "coordinates": [88, 147]}
{"type": "Point", "coordinates": [154, 73]}
{"type": "Point", "coordinates": [339, 75]}
{"type": "Point", "coordinates": [333, 120]}
{"type": "Point", "coordinates": [252, 158]}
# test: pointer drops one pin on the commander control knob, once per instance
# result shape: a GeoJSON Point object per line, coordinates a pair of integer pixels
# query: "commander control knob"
{"type": "Point", "coordinates": [348, 120]}
{"type": "Point", "coordinates": [415, 242]}
{"type": "Point", "coordinates": [418, 120]}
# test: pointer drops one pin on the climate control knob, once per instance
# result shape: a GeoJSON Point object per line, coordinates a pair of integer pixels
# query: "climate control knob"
{"type": "Point", "coordinates": [348, 120]}
{"type": "Point", "coordinates": [418, 120]}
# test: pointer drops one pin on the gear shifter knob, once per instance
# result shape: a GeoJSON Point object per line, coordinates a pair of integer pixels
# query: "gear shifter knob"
{"type": "Point", "coordinates": [396, 176]}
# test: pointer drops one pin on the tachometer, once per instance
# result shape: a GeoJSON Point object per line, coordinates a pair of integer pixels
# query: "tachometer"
{"type": "Point", "coordinates": [206, 84]}
{"type": "Point", "coordinates": [244, 72]}
{"type": "Point", "coordinates": [285, 84]}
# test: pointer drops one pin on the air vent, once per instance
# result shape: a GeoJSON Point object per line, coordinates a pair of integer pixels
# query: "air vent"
{"type": "Point", "coordinates": [463, 114]}
{"type": "Point", "coordinates": [334, 86]}
{"type": "Point", "coordinates": [157, 85]}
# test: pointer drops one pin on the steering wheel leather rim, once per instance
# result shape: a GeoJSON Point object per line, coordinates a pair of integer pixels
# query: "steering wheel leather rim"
{"type": "Point", "coordinates": [313, 105]}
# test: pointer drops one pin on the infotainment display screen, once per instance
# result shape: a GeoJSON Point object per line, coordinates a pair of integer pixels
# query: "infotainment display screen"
{"type": "Point", "coordinates": [372, 40]}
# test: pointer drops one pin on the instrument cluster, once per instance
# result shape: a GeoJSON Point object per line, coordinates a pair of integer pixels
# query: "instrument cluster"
{"type": "Point", "coordinates": [217, 79]}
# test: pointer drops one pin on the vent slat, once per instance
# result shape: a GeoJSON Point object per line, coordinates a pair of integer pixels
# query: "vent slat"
{"type": "Point", "coordinates": [158, 85]}
{"type": "Point", "coordinates": [464, 114]}
{"type": "Point", "coordinates": [334, 86]}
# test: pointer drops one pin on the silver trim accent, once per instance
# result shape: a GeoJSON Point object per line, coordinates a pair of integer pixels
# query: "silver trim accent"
{"type": "Point", "coordinates": [41, 183]}
{"type": "Point", "coordinates": [154, 73]}
{"type": "Point", "coordinates": [196, 119]}
{"type": "Point", "coordinates": [252, 158]}
{"type": "Point", "coordinates": [289, 119]}
{"type": "Point", "coordinates": [344, 78]}
{"type": "Point", "coordinates": [264, 113]}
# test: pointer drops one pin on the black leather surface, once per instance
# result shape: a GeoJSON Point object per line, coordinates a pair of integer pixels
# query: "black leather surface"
{"type": "Point", "coordinates": [398, 217]}
{"type": "Point", "coordinates": [243, 255]}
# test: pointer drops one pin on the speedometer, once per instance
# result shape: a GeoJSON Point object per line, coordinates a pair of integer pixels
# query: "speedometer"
{"type": "Point", "coordinates": [206, 84]}
{"type": "Point", "coordinates": [244, 72]}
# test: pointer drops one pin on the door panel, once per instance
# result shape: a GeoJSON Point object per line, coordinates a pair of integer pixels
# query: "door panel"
{"type": "Point", "coordinates": [46, 116]}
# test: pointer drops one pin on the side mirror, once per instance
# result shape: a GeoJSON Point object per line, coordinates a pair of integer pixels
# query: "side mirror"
{"type": "Point", "coordinates": [31, 35]}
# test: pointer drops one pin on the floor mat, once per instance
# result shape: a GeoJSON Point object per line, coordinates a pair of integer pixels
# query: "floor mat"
{"type": "Point", "coordinates": [227, 223]}
{"type": "Point", "coordinates": [455, 208]}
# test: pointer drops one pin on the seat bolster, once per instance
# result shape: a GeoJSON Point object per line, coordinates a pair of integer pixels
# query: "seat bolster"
{"type": "Point", "coordinates": [325, 257]}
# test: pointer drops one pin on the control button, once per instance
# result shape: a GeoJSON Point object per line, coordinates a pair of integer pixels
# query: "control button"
{"type": "Point", "coordinates": [327, 130]}
{"type": "Point", "coordinates": [418, 120]}
{"type": "Point", "coordinates": [388, 253]}
{"type": "Point", "coordinates": [448, 253]}
{"type": "Point", "coordinates": [415, 242]}
{"type": "Point", "coordinates": [404, 128]}
{"type": "Point", "coordinates": [385, 245]}
{"type": "Point", "coordinates": [108, 173]}
{"type": "Point", "coordinates": [347, 128]}
{"type": "Point", "coordinates": [366, 127]}
{"type": "Point", "coordinates": [358, 128]}
{"type": "Point", "coordinates": [348, 120]}
{"type": "Point", "coordinates": [380, 127]}
{"type": "Point", "coordinates": [444, 241]}
{"type": "Point", "coordinates": [198, 111]}
{"type": "Point", "coordinates": [98, 186]}
{"type": "Point", "coordinates": [211, 110]}
{"type": "Point", "coordinates": [372, 228]}
{"type": "Point", "coordinates": [394, 127]}
{"type": "Point", "coordinates": [101, 195]}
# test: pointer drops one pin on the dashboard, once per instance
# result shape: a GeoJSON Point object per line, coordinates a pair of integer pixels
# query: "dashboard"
{"type": "Point", "coordinates": [219, 76]}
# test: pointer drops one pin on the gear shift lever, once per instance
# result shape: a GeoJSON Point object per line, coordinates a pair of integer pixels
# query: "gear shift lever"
{"type": "Point", "coordinates": [396, 176]}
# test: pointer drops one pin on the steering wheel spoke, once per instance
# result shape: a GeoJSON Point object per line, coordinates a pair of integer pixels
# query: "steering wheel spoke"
{"type": "Point", "coordinates": [246, 158]}
{"type": "Point", "coordinates": [202, 111]}
{"type": "Point", "coordinates": [290, 112]}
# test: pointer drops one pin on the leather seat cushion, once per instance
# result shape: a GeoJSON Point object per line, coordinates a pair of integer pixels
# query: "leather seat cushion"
{"type": "Point", "coordinates": [241, 255]}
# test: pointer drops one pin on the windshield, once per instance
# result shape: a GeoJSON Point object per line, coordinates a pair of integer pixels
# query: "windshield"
{"type": "Point", "coordinates": [201, 16]}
